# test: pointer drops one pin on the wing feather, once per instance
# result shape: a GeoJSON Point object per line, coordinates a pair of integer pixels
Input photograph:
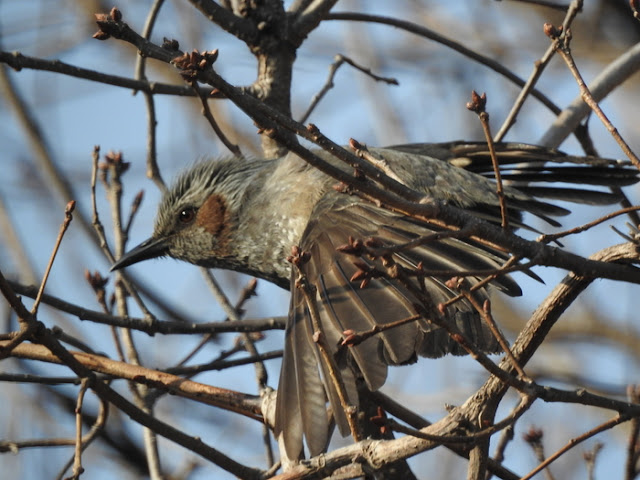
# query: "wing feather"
{"type": "Point", "coordinates": [305, 382]}
{"type": "Point", "coordinates": [343, 305]}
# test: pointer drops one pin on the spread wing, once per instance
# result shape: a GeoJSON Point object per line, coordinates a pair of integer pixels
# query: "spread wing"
{"type": "Point", "coordinates": [305, 383]}
{"type": "Point", "coordinates": [528, 172]}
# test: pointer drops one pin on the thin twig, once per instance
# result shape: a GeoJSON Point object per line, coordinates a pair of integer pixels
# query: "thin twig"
{"type": "Point", "coordinates": [561, 43]}
{"type": "Point", "coordinates": [18, 61]}
{"type": "Point", "coordinates": [135, 205]}
{"type": "Point", "coordinates": [77, 457]}
{"type": "Point", "coordinates": [165, 327]}
{"type": "Point", "coordinates": [27, 378]}
{"type": "Point", "coordinates": [538, 67]}
{"type": "Point", "coordinates": [206, 111]}
{"type": "Point", "coordinates": [534, 437]}
{"type": "Point", "coordinates": [469, 437]}
{"type": "Point", "coordinates": [153, 172]}
{"type": "Point", "coordinates": [102, 239]}
{"type": "Point", "coordinates": [614, 74]}
{"type": "Point", "coordinates": [233, 314]}
{"type": "Point", "coordinates": [478, 105]}
{"type": "Point", "coordinates": [353, 338]}
{"type": "Point", "coordinates": [381, 163]}
{"type": "Point", "coordinates": [338, 61]}
{"type": "Point", "coordinates": [508, 267]}
{"type": "Point", "coordinates": [63, 228]}
{"type": "Point", "coordinates": [430, 34]}
{"type": "Point", "coordinates": [485, 312]}
{"type": "Point", "coordinates": [547, 238]}
{"type": "Point", "coordinates": [577, 440]}
{"type": "Point", "coordinates": [590, 457]}
{"type": "Point", "coordinates": [544, 3]}
{"type": "Point", "coordinates": [97, 427]}
{"type": "Point", "coordinates": [220, 363]}
{"type": "Point", "coordinates": [503, 442]}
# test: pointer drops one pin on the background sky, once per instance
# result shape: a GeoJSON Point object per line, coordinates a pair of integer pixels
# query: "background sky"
{"type": "Point", "coordinates": [73, 115]}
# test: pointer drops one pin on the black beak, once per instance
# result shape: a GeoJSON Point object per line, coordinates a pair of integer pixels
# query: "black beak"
{"type": "Point", "coordinates": [151, 248]}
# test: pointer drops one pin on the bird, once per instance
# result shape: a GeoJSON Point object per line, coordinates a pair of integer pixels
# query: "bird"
{"type": "Point", "coordinates": [247, 214]}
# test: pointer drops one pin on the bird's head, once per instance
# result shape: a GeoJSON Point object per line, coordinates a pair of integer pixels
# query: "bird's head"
{"type": "Point", "coordinates": [197, 216]}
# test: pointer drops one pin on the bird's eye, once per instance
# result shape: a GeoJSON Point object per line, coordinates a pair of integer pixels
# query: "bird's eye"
{"type": "Point", "coordinates": [187, 215]}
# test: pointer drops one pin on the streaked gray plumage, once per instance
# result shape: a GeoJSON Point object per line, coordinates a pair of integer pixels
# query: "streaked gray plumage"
{"type": "Point", "coordinates": [246, 216]}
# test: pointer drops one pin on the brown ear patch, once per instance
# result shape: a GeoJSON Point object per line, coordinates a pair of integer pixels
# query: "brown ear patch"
{"type": "Point", "coordinates": [213, 217]}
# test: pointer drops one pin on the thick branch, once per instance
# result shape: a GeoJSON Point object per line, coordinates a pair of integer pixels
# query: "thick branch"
{"type": "Point", "coordinates": [245, 404]}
